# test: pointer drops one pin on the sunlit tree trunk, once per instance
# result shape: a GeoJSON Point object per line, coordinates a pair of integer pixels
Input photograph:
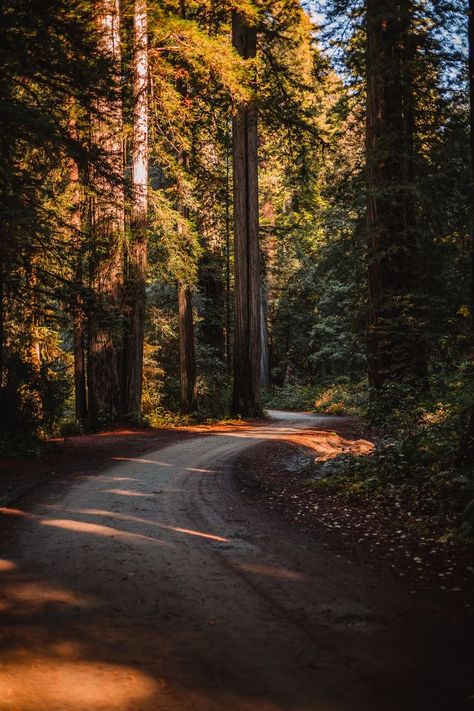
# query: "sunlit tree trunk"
{"type": "Point", "coordinates": [246, 399]}
{"type": "Point", "coordinates": [187, 357]}
{"type": "Point", "coordinates": [228, 317]}
{"type": "Point", "coordinates": [137, 253]}
{"type": "Point", "coordinates": [80, 390]}
{"type": "Point", "coordinates": [78, 316]}
{"type": "Point", "coordinates": [108, 219]}
{"type": "Point", "coordinates": [395, 342]}
{"type": "Point", "coordinates": [265, 360]}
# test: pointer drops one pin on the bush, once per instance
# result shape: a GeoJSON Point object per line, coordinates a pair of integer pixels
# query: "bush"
{"type": "Point", "coordinates": [343, 398]}
{"type": "Point", "coordinates": [32, 403]}
{"type": "Point", "coordinates": [289, 397]}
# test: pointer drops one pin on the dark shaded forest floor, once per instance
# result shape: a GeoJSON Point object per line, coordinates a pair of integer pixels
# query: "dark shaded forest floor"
{"type": "Point", "coordinates": [409, 544]}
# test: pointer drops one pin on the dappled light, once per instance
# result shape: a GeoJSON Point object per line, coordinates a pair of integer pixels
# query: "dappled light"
{"type": "Point", "coordinates": [150, 522]}
{"type": "Point", "coordinates": [272, 571]}
{"type": "Point", "coordinates": [7, 566]}
{"type": "Point", "coordinates": [7, 511]}
{"type": "Point", "coordinates": [326, 444]}
{"type": "Point", "coordinates": [27, 597]}
{"type": "Point", "coordinates": [236, 355]}
{"type": "Point", "coordinates": [172, 592]}
{"type": "Point", "coordinates": [56, 683]}
{"type": "Point", "coordinates": [140, 460]}
{"type": "Point", "coordinates": [127, 492]}
{"type": "Point", "coordinates": [97, 530]}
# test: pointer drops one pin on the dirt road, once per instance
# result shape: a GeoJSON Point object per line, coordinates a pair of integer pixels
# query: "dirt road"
{"type": "Point", "coordinates": [156, 585]}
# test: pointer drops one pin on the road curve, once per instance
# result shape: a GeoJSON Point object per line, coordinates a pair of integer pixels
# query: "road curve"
{"type": "Point", "coordinates": [156, 585]}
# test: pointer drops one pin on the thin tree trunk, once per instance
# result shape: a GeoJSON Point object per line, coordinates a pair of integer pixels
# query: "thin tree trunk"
{"type": "Point", "coordinates": [79, 334]}
{"type": "Point", "coordinates": [80, 396]}
{"type": "Point", "coordinates": [77, 307]}
{"type": "Point", "coordinates": [187, 359]}
{"type": "Point", "coordinates": [471, 106]}
{"type": "Point", "coordinates": [228, 325]}
{"type": "Point", "coordinates": [108, 221]}
{"type": "Point", "coordinates": [466, 447]}
{"type": "Point", "coordinates": [246, 400]}
{"type": "Point", "coordinates": [2, 318]}
{"type": "Point", "coordinates": [265, 360]}
{"type": "Point", "coordinates": [137, 254]}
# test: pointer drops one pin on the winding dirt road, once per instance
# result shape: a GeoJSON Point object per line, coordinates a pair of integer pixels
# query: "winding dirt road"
{"type": "Point", "coordinates": [156, 585]}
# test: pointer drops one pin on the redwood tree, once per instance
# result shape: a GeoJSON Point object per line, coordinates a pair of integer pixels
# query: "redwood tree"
{"type": "Point", "coordinates": [395, 350]}
{"type": "Point", "coordinates": [187, 357]}
{"type": "Point", "coordinates": [137, 251]}
{"type": "Point", "coordinates": [246, 399]}
{"type": "Point", "coordinates": [107, 222]}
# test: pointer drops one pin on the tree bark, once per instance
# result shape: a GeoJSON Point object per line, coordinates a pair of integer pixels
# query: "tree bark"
{"type": "Point", "coordinates": [80, 391]}
{"type": "Point", "coordinates": [395, 343]}
{"type": "Point", "coordinates": [465, 455]}
{"type": "Point", "coordinates": [246, 399]}
{"type": "Point", "coordinates": [108, 224]}
{"type": "Point", "coordinates": [265, 360]}
{"type": "Point", "coordinates": [2, 318]}
{"type": "Point", "coordinates": [79, 335]}
{"type": "Point", "coordinates": [187, 359]}
{"type": "Point", "coordinates": [137, 253]}
{"type": "Point", "coordinates": [77, 306]}
{"type": "Point", "coordinates": [228, 322]}
{"type": "Point", "coordinates": [471, 143]}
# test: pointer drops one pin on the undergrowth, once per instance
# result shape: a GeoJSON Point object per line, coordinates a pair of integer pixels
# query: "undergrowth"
{"type": "Point", "coordinates": [415, 464]}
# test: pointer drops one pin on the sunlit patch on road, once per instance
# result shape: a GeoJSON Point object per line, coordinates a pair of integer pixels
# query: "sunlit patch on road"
{"type": "Point", "coordinates": [56, 684]}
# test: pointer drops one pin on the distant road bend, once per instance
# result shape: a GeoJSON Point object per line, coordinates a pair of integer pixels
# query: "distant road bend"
{"type": "Point", "coordinates": [156, 585]}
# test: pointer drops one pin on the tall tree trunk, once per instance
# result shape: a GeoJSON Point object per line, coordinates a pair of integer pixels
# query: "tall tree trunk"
{"type": "Point", "coordinates": [80, 396]}
{"type": "Point", "coordinates": [246, 399]}
{"type": "Point", "coordinates": [265, 358]}
{"type": "Point", "coordinates": [137, 254]}
{"type": "Point", "coordinates": [471, 139]}
{"type": "Point", "coordinates": [79, 334]}
{"type": "Point", "coordinates": [108, 224]}
{"type": "Point", "coordinates": [466, 447]}
{"type": "Point", "coordinates": [228, 324]}
{"type": "Point", "coordinates": [395, 345]}
{"type": "Point", "coordinates": [2, 318]}
{"type": "Point", "coordinates": [77, 306]}
{"type": "Point", "coordinates": [187, 357]}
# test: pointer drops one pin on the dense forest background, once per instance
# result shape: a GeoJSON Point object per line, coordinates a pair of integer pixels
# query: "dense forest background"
{"type": "Point", "coordinates": [144, 277]}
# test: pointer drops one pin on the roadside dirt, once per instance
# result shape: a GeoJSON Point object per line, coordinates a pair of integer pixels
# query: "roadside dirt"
{"type": "Point", "coordinates": [404, 544]}
{"type": "Point", "coordinates": [156, 584]}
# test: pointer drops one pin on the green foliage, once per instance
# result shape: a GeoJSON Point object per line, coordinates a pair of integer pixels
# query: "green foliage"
{"type": "Point", "coordinates": [414, 464]}
{"type": "Point", "coordinates": [343, 398]}
{"type": "Point", "coordinates": [32, 404]}
{"type": "Point", "coordinates": [289, 397]}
